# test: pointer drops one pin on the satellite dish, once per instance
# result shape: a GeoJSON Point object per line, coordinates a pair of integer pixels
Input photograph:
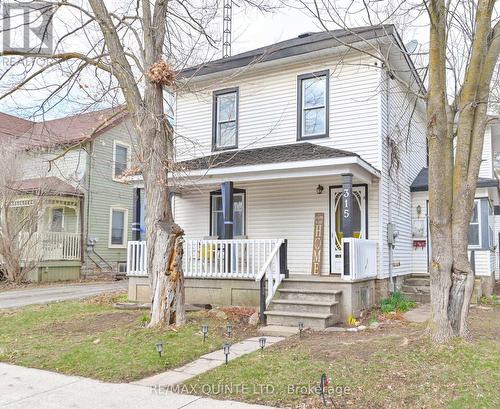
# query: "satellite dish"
{"type": "Point", "coordinates": [411, 46]}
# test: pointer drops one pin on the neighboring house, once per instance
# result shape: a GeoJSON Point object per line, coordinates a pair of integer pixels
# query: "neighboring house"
{"type": "Point", "coordinates": [485, 223]}
{"type": "Point", "coordinates": [77, 163]}
{"type": "Point", "coordinates": [297, 160]}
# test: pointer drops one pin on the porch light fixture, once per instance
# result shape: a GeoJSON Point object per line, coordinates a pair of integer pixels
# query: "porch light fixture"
{"type": "Point", "coordinates": [159, 347]}
{"type": "Point", "coordinates": [204, 329]}
{"type": "Point", "coordinates": [262, 343]}
{"type": "Point", "coordinates": [229, 330]}
{"type": "Point", "coordinates": [301, 328]}
{"type": "Point", "coordinates": [419, 210]}
{"type": "Point", "coordinates": [319, 189]}
{"type": "Point", "coordinates": [226, 351]}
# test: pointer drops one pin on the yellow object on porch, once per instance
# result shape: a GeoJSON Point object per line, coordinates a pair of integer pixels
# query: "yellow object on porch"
{"type": "Point", "coordinates": [207, 251]}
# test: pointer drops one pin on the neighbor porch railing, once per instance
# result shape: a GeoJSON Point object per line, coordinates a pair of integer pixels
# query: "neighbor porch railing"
{"type": "Point", "coordinates": [50, 246]}
{"type": "Point", "coordinates": [359, 259]}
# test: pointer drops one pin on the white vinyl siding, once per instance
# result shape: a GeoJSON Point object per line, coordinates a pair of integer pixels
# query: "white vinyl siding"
{"type": "Point", "coordinates": [486, 169]}
{"type": "Point", "coordinates": [275, 209]}
{"type": "Point", "coordinates": [403, 147]}
{"type": "Point", "coordinates": [268, 108]}
{"type": "Point", "coordinates": [69, 166]}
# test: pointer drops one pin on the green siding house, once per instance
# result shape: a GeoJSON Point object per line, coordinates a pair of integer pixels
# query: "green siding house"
{"type": "Point", "coordinates": [75, 165]}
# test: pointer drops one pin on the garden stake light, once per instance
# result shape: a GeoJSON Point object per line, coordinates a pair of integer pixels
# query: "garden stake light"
{"type": "Point", "coordinates": [301, 328]}
{"type": "Point", "coordinates": [159, 347]}
{"type": "Point", "coordinates": [226, 351]}
{"type": "Point", "coordinates": [204, 329]}
{"type": "Point", "coordinates": [262, 343]}
{"type": "Point", "coordinates": [229, 330]}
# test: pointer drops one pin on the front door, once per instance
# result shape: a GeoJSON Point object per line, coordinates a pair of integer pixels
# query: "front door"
{"type": "Point", "coordinates": [359, 223]}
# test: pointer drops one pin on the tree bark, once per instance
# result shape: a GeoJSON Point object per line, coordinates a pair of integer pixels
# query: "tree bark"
{"type": "Point", "coordinates": [154, 151]}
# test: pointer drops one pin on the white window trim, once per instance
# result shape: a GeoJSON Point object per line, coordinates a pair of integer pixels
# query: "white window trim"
{"type": "Point", "coordinates": [214, 227]}
{"type": "Point", "coordinates": [477, 202]}
{"type": "Point", "coordinates": [124, 145]}
{"type": "Point", "coordinates": [125, 227]}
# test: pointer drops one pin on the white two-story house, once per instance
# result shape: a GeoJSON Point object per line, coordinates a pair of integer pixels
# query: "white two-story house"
{"type": "Point", "coordinates": [295, 164]}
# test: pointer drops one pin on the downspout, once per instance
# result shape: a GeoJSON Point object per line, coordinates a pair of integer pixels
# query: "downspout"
{"type": "Point", "coordinates": [389, 186]}
{"type": "Point", "coordinates": [87, 196]}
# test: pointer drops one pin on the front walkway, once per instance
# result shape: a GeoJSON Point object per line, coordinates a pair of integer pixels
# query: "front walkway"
{"type": "Point", "coordinates": [27, 388]}
{"type": "Point", "coordinates": [205, 363]}
{"type": "Point", "coordinates": [44, 295]}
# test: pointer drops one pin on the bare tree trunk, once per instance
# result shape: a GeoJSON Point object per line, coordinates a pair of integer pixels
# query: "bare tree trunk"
{"type": "Point", "coordinates": [155, 141]}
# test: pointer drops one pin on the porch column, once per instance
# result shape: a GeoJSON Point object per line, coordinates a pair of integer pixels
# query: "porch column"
{"type": "Point", "coordinates": [227, 209]}
{"type": "Point", "coordinates": [136, 223]}
{"type": "Point", "coordinates": [346, 220]}
{"type": "Point", "coordinates": [347, 203]}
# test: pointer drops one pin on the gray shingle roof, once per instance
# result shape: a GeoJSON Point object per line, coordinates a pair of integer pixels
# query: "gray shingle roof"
{"type": "Point", "coordinates": [302, 44]}
{"type": "Point", "coordinates": [259, 156]}
{"type": "Point", "coordinates": [421, 182]}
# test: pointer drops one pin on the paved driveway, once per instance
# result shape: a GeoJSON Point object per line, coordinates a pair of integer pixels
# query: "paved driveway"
{"type": "Point", "coordinates": [43, 295]}
{"type": "Point", "coordinates": [27, 388]}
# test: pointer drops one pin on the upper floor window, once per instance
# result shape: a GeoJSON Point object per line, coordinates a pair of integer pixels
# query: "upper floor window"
{"type": "Point", "coordinates": [121, 154]}
{"type": "Point", "coordinates": [225, 119]}
{"type": "Point", "coordinates": [313, 105]}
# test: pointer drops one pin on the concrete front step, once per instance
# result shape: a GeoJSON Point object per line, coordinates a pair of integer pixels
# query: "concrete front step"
{"type": "Point", "coordinates": [278, 330]}
{"type": "Point", "coordinates": [311, 283]}
{"type": "Point", "coordinates": [422, 298]}
{"type": "Point", "coordinates": [313, 295]}
{"type": "Point", "coordinates": [417, 289]}
{"type": "Point", "coordinates": [417, 281]}
{"type": "Point", "coordinates": [310, 320]}
{"type": "Point", "coordinates": [314, 306]}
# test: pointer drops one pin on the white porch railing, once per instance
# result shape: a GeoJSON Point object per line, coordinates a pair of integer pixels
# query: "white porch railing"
{"type": "Point", "coordinates": [213, 258]}
{"type": "Point", "coordinates": [361, 258]}
{"type": "Point", "coordinates": [270, 273]}
{"type": "Point", "coordinates": [227, 258]}
{"type": "Point", "coordinates": [137, 258]}
{"type": "Point", "coordinates": [60, 246]}
{"type": "Point", "coordinates": [50, 246]}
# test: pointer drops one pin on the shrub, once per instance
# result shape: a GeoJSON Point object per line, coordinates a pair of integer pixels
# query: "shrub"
{"type": "Point", "coordinates": [397, 303]}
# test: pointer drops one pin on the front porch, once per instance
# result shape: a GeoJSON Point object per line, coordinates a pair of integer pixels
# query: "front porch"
{"type": "Point", "coordinates": [49, 238]}
{"type": "Point", "coordinates": [262, 216]}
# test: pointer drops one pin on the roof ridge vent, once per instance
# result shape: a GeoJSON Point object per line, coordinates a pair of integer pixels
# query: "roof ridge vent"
{"type": "Point", "coordinates": [304, 35]}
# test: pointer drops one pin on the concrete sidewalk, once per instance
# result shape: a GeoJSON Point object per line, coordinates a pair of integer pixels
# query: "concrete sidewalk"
{"type": "Point", "coordinates": [44, 295]}
{"type": "Point", "coordinates": [29, 388]}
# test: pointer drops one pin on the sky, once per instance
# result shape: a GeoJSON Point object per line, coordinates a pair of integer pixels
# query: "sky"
{"type": "Point", "coordinates": [251, 29]}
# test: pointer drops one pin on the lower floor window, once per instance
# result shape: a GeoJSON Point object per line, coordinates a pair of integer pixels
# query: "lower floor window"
{"type": "Point", "coordinates": [118, 227]}
{"type": "Point", "coordinates": [217, 216]}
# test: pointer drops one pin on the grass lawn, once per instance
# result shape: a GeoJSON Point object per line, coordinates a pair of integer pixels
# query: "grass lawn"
{"type": "Point", "coordinates": [394, 366]}
{"type": "Point", "coordinates": [90, 338]}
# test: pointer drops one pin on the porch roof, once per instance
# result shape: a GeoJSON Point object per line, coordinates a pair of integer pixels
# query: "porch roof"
{"type": "Point", "coordinates": [271, 154]}
{"type": "Point", "coordinates": [302, 157]}
{"type": "Point", "coordinates": [50, 185]}
{"type": "Point", "coordinates": [421, 182]}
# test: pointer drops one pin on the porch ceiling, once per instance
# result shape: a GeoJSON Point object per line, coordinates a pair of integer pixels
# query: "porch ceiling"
{"type": "Point", "coordinates": [276, 162]}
